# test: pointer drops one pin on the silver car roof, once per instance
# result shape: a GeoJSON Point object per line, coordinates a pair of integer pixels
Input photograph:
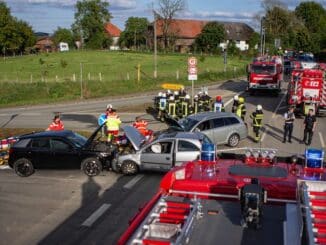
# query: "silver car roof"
{"type": "Point", "coordinates": [210, 115]}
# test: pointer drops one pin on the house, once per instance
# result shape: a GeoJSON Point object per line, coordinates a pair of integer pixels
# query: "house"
{"type": "Point", "coordinates": [184, 33]}
{"type": "Point", "coordinates": [45, 44]}
{"type": "Point", "coordinates": [114, 33]}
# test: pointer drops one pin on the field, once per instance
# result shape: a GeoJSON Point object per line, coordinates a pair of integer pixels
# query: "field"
{"type": "Point", "coordinates": [53, 77]}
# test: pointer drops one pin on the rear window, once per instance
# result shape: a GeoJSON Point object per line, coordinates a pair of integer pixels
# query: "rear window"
{"type": "Point", "coordinates": [22, 143]}
{"type": "Point", "coordinates": [230, 121]}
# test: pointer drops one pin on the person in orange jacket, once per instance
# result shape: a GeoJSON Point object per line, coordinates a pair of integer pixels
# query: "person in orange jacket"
{"type": "Point", "coordinates": [141, 125]}
{"type": "Point", "coordinates": [56, 124]}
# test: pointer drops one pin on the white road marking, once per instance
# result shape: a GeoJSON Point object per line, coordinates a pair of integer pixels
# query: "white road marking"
{"type": "Point", "coordinates": [94, 216]}
{"type": "Point", "coordinates": [133, 181]}
{"type": "Point", "coordinates": [3, 167]}
{"type": "Point", "coordinates": [321, 139]}
{"type": "Point", "coordinates": [274, 115]}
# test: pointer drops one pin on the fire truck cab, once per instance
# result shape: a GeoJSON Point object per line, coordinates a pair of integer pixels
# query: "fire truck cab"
{"type": "Point", "coordinates": [265, 74]}
{"type": "Point", "coordinates": [307, 90]}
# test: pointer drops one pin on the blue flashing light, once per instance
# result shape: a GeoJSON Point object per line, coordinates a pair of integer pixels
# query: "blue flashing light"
{"type": "Point", "coordinates": [314, 158]}
{"type": "Point", "coordinates": [208, 152]}
{"type": "Point", "coordinates": [101, 119]}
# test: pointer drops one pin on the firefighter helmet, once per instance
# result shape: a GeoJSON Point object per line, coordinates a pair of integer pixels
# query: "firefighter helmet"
{"type": "Point", "coordinates": [196, 96]}
{"type": "Point", "coordinates": [187, 97]}
{"type": "Point", "coordinates": [164, 95]}
{"type": "Point", "coordinates": [218, 98]}
{"type": "Point", "coordinates": [241, 100]}
{"type": "Point", "coordinates": [159, 94]}
{"type": "Point", "coordinates": [259, 108]}
{"type": "Point", "coordinates": [171, 98]}
{"type": "Point", "coordinates": [109, 106]}
{"type": "Point", "coordinates": [176, 92]}
{"type": "Point", "coordinates": [236, 97]}
{"type": "Point", "coordinates": [168, 91]}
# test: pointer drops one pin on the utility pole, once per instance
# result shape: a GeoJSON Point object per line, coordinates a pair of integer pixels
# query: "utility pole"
{"type": "Point", "coordinates": [81, 80]}
{"type": "Point", "coordinates": [155, 43]}
{"type": "Point", "coordinates": [262, 36]}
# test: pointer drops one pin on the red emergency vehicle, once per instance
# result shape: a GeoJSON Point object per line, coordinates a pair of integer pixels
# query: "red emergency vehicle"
{"type": "Point", "coordinates": [215, 202]}
{"type": "Point", "coordinates": [307, 90]}
{"type": "Point", "coordinates": [265, 74]}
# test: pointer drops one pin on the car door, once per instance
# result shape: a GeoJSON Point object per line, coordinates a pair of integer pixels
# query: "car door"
{"type": "Point", "coordinates": [206, 128]}
{"type": "Point", "coordinates": [232, 125]}
{"type": "Point", "coordinates": [41, 152]}
{"type": "Point", "coordinates": [186, 151]}
{"type": "Point", "coordinates": [220, 131]}
{"type": "Point", "coordinates": [158, 155]}
{"type": "Point", "coordinates": [64, 154]}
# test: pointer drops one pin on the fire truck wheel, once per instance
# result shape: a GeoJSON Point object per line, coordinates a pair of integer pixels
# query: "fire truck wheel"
{"type": "Point", "coordinates": [233, 140]}
{"type": "Point", "coordinates": [129, 167]}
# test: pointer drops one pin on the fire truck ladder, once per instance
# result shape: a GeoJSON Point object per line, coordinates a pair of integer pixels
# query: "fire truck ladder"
{"type": "Point", "coordinates": [169, 222]}
{"type": "Point", "coordinates": [313, 201]}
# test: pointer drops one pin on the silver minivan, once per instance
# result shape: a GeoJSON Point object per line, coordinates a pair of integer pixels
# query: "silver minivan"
{"type": "Point", "coordinates": [161, 154]}
{"type": "Point", "coordinates": [220, 127]}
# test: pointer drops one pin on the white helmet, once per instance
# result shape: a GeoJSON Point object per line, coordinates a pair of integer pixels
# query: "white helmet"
{"type": "Point", "coordinates": [163, 95]}
{"type": "Point", "coordinates": [171, 98]}
{"type": "Point", "coordinates": [259, 108]}
{"type": "Point", "coordinates": [236, 97]}
{"type": "Point", "coordinates": [109, 106]}
{"type": "Point", "coordinates": [176, 92]}
{"type": "Point", "coordinates": [206, 92]}
{"type": "Point", "coordinates": [168, 91]}
{"type": "Point", "coordinates": [196, 96]}
{"type": "Point", "coordinates": [160, 94]}
{"type": "Point", "coordinates": [200, 92]}
{"type": "Point", "coordinates": [187, 96]}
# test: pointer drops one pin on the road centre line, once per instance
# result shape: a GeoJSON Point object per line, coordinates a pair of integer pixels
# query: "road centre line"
{"type": "Point", "coordinates": [133, 181]}
{"type": "Point", "coordinates": [94, 216]}
{"type": "Point", "coordinates": [274, 115]}
{"type": "Point", "coordinates": [321, 139]}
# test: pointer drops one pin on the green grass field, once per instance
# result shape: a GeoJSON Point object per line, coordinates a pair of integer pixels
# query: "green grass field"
{"type": "Point", "coordinates": [56, 76]}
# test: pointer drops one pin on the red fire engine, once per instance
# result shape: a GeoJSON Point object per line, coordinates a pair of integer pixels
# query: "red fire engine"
{"type": "Point", "coordinates": [307, 90]}
{"type": "Point", "coordinates": [265, 74]}
{"type": "Point", "coordinates": [228, 200]}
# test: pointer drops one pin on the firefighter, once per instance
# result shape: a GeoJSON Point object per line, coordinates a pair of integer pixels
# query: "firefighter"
{"type": "Point", "coordinates": [182, 93]}
{"type": "Point", "coordinates": [289, 118]}
{"type": "Point", "coordinates": [162, 107]}
{"type": "Point", "coordinates": [241, 109]}
{"type": "Point", "coordinates": [186, 106]}
{"type": "Point", "coordinates": [218, 106]}
{"type": "Point", "coordinates": [141, 125]}
{"type": "Point", "coordinates": [56, 124]}
{"type": "Point", "coordinates": [207, 101]}
{"type": "Point", "coordinates": [309, 127]}
{"type": "Point", "coordinates": [235, 103]}
{"type": "Point", "coordinates": [172, 107]}
{"type": "Point", "coordinates": [257, 121]}
{"type": "Point", "coordinates": [157, 100]}
{"type": "Point", "coordinates": [196, 104]}
{"type": "Point", "coordinates": [178, 108]}
{"type": "Point", "coordinates": [200, 102]}
{"type": "Point", "coordinates": [112, 124]}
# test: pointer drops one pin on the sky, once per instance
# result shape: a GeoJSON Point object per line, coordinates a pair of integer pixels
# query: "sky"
{"type": "Point", "coordinates": [47, 15]}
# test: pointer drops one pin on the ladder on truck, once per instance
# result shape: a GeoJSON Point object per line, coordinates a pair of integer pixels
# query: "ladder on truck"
{"type": "Point", "coordinates": [169, 222]}
{"type": "Point", "coordinates": [312, 195]}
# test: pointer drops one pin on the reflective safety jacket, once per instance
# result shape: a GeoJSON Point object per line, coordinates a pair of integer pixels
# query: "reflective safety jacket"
{"type": "Point", "coordinates": [257, 118]}
{"type": "Point", "coordinates": [113, 122]}
{"type": "Point", "coordinates": [141, 126]}
{"type": "Point", "coordinates": [56, 126]}
{"type": "Point", "coordinates": [218, 106]}
{"type": "Point", "coordinates": [162, 103]}
{"type": "Point", "coordinates": [241, 111]}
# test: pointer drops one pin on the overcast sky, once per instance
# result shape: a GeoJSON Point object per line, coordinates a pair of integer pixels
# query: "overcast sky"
{"type": "Point", "coordinates": [47, 15]}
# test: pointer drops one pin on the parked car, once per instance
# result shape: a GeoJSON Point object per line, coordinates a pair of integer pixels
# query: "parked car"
{"type": "Point", "coordinates": [220, 127]}
{"type": "Point", "coordinates": [60, 149]}
{"type": "Point", "coordinates": [162, 153]}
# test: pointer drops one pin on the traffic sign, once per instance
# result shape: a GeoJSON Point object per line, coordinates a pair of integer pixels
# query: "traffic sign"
{"type": "Point", "coordinates": [172, 86]}
{"type": "Point", "coordinates": [192, 77]}
{"type": "Point", "coordinates": [192, 70]}
{"type": "Point", "coordinates": [192, 61]}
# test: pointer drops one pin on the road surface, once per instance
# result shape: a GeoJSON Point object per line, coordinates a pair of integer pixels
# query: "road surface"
{"type": "Point", "coordinates": [66, 207]}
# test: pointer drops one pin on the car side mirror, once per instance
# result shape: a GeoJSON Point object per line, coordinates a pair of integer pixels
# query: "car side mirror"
{"type": "Point", "coordinates": [156, 148]}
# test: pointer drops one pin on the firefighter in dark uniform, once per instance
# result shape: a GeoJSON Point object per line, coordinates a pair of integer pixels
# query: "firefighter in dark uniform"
{"type": "Point", "coordinates": [196, 104]}
{"type": "Point", "coordinates": [162, 107]}
{"type": "Point", "coordinates": [235, 103]}
{"type": "Point", "coordinates": [289, 118]}
{"type": "Point", "coordinates": [172, 107]}
{"type": "Point", "coordinates": [257, 121]}
{"type": "Point", "coordinates": [309, 127]}
{"type": "Point", "coordinates": [186, 106]}
{"type": "Point", "coordinates": [207, 101]}
{"type": "Point", "coordinates": [241, 109]}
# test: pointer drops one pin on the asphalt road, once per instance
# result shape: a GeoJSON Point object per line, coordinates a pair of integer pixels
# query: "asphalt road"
{"type": "Point", "coordinates": [66, 207]}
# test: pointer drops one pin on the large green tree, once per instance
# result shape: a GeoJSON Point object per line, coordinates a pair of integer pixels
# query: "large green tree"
{"type": "Point", "coordinates": [90, 19]}
{"type": "Point", "coordinates": [15, 35]}
{"type": "Point", "coordinates": [63, 35]}
{"type": "Point", "coordinates": [135, 32]}
{"type": "Point", "coordinates": [210, 38]}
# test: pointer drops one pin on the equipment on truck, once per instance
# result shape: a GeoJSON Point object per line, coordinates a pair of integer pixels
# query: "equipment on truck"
{"type": "Point", "coordinates": [307, 90]}
{"type": "Point", "coordinates": [265, 74]}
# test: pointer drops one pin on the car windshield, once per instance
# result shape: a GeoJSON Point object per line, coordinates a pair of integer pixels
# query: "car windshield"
{"type": "Point", "coordinates": [263, 69]}
{"type": "Point", "coordinates": [187, 123]}
{"type": "Point", "coordinates": [77, 139]}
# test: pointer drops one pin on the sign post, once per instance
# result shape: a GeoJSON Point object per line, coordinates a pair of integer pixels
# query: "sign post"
{"type": "Point", "coordinates": [192, 74]}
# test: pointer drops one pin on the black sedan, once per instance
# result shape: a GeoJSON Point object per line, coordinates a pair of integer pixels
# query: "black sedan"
{"type": "Point", "coordinates": [61, 149]}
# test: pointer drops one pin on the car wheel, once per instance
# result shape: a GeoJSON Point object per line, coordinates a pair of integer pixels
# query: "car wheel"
{"type": "Point", "coordinates": [129, 168]}
{"type": "Point", "coordinates": [23, 167]}
{"type": "Point", "coordinates": [91, 166]}
{"type": "Point", "coordinates": [233, 140]}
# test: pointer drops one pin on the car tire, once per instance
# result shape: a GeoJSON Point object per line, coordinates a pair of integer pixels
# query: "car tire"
{"type": "Point", "coordinates": [91, 166]}
{"type": "Point", "coordinates": [23, 167]}
{"type": "Point", "coordinates": [129, 168]}
{"type": "Point", "coordinates": [233, 140]}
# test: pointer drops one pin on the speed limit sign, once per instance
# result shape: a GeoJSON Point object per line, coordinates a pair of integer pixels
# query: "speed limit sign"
{"type": "Point", "coordinates": [192, 62]}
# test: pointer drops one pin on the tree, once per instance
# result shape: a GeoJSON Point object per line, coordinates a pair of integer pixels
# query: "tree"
{"type": "Point", "coordinates": [90, 19]}
{"type": "Point", "coordinates": [135, 32]}
{"type": "Point", "coordinates": [212, 35]}
{"type": "Point", "coordinates": [63, 35]}
{"type": "Point", "coordinates": [167, 11]}
{"type": "Point", "coordinates": [302, 40]}
{"type": "Point", "coordinates": [15, 35]}
{"type": "Point", "coordinates": [232, 48]}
